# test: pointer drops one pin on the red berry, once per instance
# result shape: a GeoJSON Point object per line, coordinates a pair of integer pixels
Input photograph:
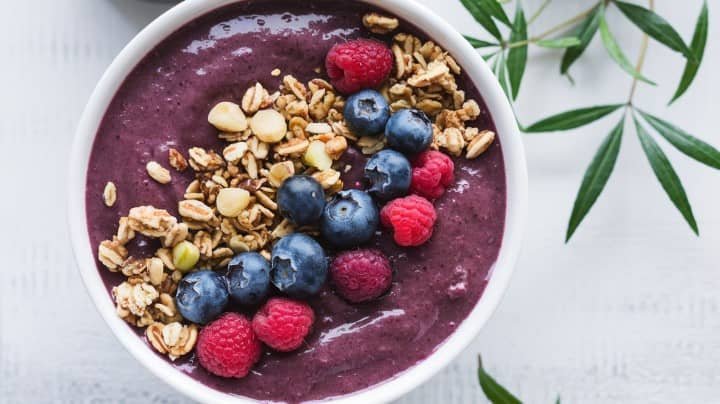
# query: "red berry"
{"type": "Point", "coordinates": [432, 174]}
{"type": "Point", "coordinates": [228, 346]}
{"type": "Point", "coordinates": [361, 275]}
{"type": "Point", "coordinates": [282, 324]}
{"type": "Point", "coordinates": [359, 64]}
{"type": "Point", "coordinates": [412, 219]}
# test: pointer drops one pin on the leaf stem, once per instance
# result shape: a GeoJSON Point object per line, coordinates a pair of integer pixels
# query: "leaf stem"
{"type": "Point", "coordinates": [565, 24]}
{"type": "Point", "coordinates": [538, 12]}
{"type": "Point", "coordinates": [641, 59]}
{"type": "Point", "coordinates": [568, 23]}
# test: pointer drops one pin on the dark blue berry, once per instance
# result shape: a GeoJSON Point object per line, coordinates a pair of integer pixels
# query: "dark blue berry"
{"type": "Point", "coordinates": [301, 200]}
{"type": "Point", "coordinates": [299, 265]}
{"type": "Point", "coordinates": [248, 278]}
{"type": "Point", "coordinates": [366, 113]}
{"type": "Point", "coordinates": [409, 131]}
{"type": "Point", "coordinates": [389, 175]}
{"type": "Point", "coordinates": [350, 219]}
{"type": "Point", "coordinates": [201, 296]}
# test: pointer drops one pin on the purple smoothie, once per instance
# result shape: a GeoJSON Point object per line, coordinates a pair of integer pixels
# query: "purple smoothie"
{"type": "Point", "coordinates": [164, 103]}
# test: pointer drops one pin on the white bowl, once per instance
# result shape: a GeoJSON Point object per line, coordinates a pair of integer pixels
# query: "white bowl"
{"type": "Point", "coordinates": [516, 176]}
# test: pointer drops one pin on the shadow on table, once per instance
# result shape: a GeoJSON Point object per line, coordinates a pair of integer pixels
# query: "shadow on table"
{"type": "Point", "coordinates": [142, 12]}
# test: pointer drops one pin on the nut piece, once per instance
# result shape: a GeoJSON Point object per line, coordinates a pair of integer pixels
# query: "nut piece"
{"type": "Point", "coordinates": [327, 178]}
{"type": "Point", "coordinates": [177, 233]}
{"type": "Point", "coordinates": [380, 24]}
{"type": "Point", "coordinates": [318, 128]}
{"type": "Point", "coordinates": [173, 339]}
{"type": "Point", "coordinates": [232, 201]}
{"type": "Point", "coordinates": [316, 156]}
{"type": "Point", "coordinates": [158, 172]}
{"type": "Point", "coordinates": [155, 268]}
{"type": "Point", "coordinates": [235, 151]}
{"type": "Point", "coordinates": [480, 144]}
{"type": "Point", "coordinates": [281, 171]}
{"type": "Point", "coordinates": [110, 194]}
{"type": "Point", "coordinates": [268, 125]}
{"type": "Point", "coordinates": [185, 255]}
{"type": "Point", "coordinates": [177, 160]}
{"type": "Point", "coordinates": [134, 299]}
{"type": "Point", "coordinates": [151, 222]}
{"type": "Point", "coordinates": [227, 117]}
{"type": "Point", "coordinates": [112, 254]}
{"type": "Point", "coordinates": [195, 210]}
{"type": "Point", "coordinates": [124, 233]}
{"type": "Point", "coordinates": [336, 146]}
{"type": "Point", "coordinates": [254, 98]}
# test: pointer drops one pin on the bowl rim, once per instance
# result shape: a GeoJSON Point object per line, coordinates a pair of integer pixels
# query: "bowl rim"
{"type": "Point", "coordinates": [516, 205]}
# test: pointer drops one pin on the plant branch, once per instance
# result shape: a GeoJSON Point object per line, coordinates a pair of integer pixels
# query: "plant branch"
{"type": "Point", "coordinates": [566, 24]}
{"type": "Point", "coordinates": [641, 58]}
{"type": "Point", "coordinates": [538, 12]}
{"type": "Point", "coordinates": [563, 25]}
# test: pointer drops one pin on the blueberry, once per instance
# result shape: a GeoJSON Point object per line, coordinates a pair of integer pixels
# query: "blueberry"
{"type": "Point", "coordinates": [248, 278]}
{"type": "Point", "coordinates": [389, 174]}
{"type": "Point", "coordinates": [299, 265]}
{"type": "Point", "coordinates": [350, 219]}
{"type": "Point", "coordinates": [409, 131]}
{"type": "Point", "coordinates": [366, 113]}
{"type": "Point", "coordinates": [201, 296]}
{"type": "Point", "coordinates": [301, 199]}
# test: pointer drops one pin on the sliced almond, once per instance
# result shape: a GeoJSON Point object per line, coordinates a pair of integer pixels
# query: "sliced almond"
{"type": "Point", "coordinates": [195, 210]}
{"type": "Point", "coordinates": [158, 172]}
{"type": "Point", "coordinates": [269, 125]}
{"type": "Point", "coordinates": [110, 194]}
{"type": "Point", "coordinates": [318, 128]}
{"type": "Point", "coordinates": [228, 117]}
{"type": "Point", "coordinates": [480, 144]}
{"type": "Point", "coordinates": [232, 201]}
{"type": "Point", "coordinates": [235, 151]}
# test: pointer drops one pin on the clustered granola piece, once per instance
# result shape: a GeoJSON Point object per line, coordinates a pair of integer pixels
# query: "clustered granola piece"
{"type": "Point", "coordinates": [425, 78]}
{"type": "Point", "coordinates": [230, 206]}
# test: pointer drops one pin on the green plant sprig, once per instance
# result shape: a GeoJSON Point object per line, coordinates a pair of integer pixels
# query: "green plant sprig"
{"type": "Point", "coordinates": [494, 391]}
{"type": "Point", "coordinates": [509, 56]}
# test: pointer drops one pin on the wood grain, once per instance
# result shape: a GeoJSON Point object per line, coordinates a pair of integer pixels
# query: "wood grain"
{"type": "Point", "coordinates": [628, 312]}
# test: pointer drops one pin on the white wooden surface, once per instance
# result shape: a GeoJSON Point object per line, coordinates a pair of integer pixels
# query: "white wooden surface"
{"type": "Point", "coordinates": [627, 312]}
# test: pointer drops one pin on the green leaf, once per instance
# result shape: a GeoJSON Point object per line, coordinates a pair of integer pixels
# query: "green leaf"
{"type": "Point", "coordinates": [494, 392]}
{"type": "Point", "coordinates": [666, 175]}
{"type": "Point", "coordinates": [655, 26]}
{"type": "Point", "coordinates": [697, 47]}
{"type": "Point", "coordinates": [517, 56]}
{"type": "Point", "coordinates": [489, 56]}
{"type": "Point", "coordinates": [572, 119]}
{"type": "Point", "coordinates": [479, 43]}
{"type": "Point", "coordinates": [494, 8]}
{"type": "Point", "coordinates": [500, 69]}
{"type": "Point", "coordinates": [616, 53]}
{"type": "Point", "coordinates": [596, 177]}
{"type": "Point", "coordinates": [686, 143]}
{"type": "Point", "coordinates": [482, 17]}
{"type": "Point", "coordinates": [559, 43]}
{"type": "Point", "coordinates": [585, 33]}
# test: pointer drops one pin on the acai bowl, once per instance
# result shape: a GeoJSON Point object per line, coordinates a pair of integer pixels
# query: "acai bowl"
{"type": "Point", "coordinates": [175, 122]}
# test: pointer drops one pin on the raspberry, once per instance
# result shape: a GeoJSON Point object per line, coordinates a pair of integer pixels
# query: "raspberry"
{"type": "Point", "coordinates": [359, 64]}
{"type": "Point", "coordinates": [432, 173]}
{"type": "Point", "coordinates": [228, 346]}
{"type": "Point", "coordinates": [282, 324]}
{"type": "Point", "coordinates": [412, 219]}
{"type": "Point", "coordinates": [361, 275]}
